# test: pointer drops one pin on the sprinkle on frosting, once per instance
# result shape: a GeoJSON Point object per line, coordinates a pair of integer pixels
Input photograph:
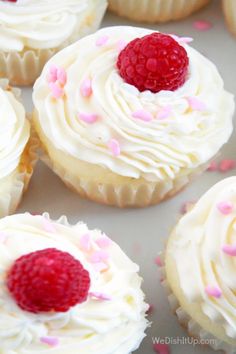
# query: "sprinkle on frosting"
{"type": "Point", "coordinates": [164, 112]}
{"type": "Point", "coordinates": [85, 242]}
{"type": "Point", "coordinates": [101, 41]}
{"type": "Point", "coordinates": [103, 242]}
{"type": "Point", "coordinates": [230, 250]}
{"type": "Point", "coordinates": [86, 88]}
{"type": "Point", "coordinates": [57, 79]}
{"type": "Point", "coordinates": [56, 91]}
{"type": "Point", "coordinates": [100, 267]}
{"type": "Point", "coordinates": [196, 104]}
{"type": "Point", "coordinates": [99, 256]}
{"type": "Point", "coordinates": [51, 341]}
{"type": "Point", "coordinates": [213, 291]}
{"type": "Point", "coordinates": [48, 226]}
{"type": "Point", "coordinates": [184, 40]}
{"type": "Point", "coordinates": [89, 118]}
{"type": "Point", "coordinates": [225, 207]}
{"type": "Point", "coordinates": [100, 296]}
{"type": "Point", "coordinates": [143, 115]}
{"type": "Point", "coordinates": [114, 147]}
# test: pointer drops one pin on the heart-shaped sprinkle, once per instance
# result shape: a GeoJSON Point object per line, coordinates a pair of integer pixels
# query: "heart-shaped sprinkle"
{"type": "Point", "coordinates": [225, 208]}
{"type": "Point", "coordinates": [213, 291]}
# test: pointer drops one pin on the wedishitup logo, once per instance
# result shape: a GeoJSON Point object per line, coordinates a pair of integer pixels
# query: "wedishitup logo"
{"type": "Point", "coordinates": [184, 341]}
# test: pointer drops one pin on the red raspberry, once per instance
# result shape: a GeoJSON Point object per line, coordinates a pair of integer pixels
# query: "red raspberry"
{"type": "Point", "coordinates": [48, 280]}
{"type": "Point", "coordinates": [155, 62]}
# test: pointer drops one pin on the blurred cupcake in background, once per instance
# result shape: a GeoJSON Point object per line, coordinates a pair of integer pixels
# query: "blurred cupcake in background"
{"type": "Point", "coordinates": [156, 10]}
{"type": "Point", "coordinates": [229, 7]}
{"type": "Point", "coordinates": [199, 268]}
{"type": "Point", "coordinates": [32, 31]}
{"type": "Point", "coordinates": [17, 149]}
{"type": "Point", "coordinates": [128, 116]}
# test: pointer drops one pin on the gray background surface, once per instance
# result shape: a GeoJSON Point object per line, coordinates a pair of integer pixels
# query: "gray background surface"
{"type": "Point", "coordinates": [142, 233]}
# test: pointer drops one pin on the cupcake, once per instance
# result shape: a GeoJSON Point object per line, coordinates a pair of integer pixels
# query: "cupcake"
{"type": "Point", "coordinates": [130, 123]}
{"type": "Point", "coordinates": [66, 289]}
{"type": "Point", "coordinates": [32, 31]}
{"type": "Point", "coordinates": [229, 7]}
{"type": "Point", "coordinates": [17, 149]}
{"type": "Point", "coordinates": [156, 10]}
{"type": "Point", "coordinates": [200, 268]}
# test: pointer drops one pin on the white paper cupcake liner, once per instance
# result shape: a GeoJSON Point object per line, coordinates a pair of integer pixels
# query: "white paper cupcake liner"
{"type": "Point", "coordinates": [229, 7]}
{"type": "Point", "coordinates": [155, 10]}
{"type": "Point", "coordinates": [122, 195]}
{"type": "Point", "coordinates": [191, 326]}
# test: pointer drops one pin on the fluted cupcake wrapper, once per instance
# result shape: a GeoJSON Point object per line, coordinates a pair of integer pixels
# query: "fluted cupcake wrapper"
{"type": "Point", "coordinates": [155, 10]}
{"type": "Point", "coordinates": [229, 7]}
{"type": "Point", "coordinates": [192, 327]}
{"type": "Point", "coordinates": [122, 195]}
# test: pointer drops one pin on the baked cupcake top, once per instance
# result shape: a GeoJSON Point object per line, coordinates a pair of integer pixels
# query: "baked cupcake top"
{"type": "Point", "coordinates": [94, 303]}
{"type": "Point", "coordinates": [204, 251]}
{"type": "Point", "coordinates": [86, 108]}
{"type": "Point", "coordinates": [15, 131]}
{"type": "Point", "coordinates": [44, 24]}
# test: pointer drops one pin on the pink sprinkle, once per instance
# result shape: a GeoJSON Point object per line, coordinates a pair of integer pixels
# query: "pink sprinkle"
{"type": "Point", "coordinates": [48, 226]}
{"type": "Point", "coordinates": [158, 261]}
{"type": "Point", "coordinates": [227, 165]}
{"type": "Point", "coordinates": [121, 45]}
{"type": "Point", "coordinates": [161, 348]}
{"type": "Point", "coordinates": [225, 207]}
{"type": "Point", "coordinates": [202, 25]}
{"type": "Point", "coordinates": [164, 112]}
{"type": "Point", "coordinates": [185, 39]}
{"type": "Point", "coordinates": [85, 242]}
{"type": "Point", "coordinates": [100, 296]}
{"type": "Point", "coordinates": [103, 242]}
{"type": "Point", "coordinates": [230, 250]}
{"type": "Point", "coordinates": [52, 341]}
{"type": "Point", "coordinates": [114, 147]}
{"type": "Point", "coordinates": [213, 166]}
{"type": "Point", "coordinates": [57, 91]}
{"type": "Point", "coordinates": [99, 256]}
{"type": "Point", "coordinates": [52, 73]}
{"type": "Point", "coordinates": [3, 237]}
{"type": "Point", "coordinates": [61, 76]}
{"type": "Point", "coordinates": [86, 88]}
{"type": "Point", "coordinates": [196, 104]}
{"type": "Point", "coordinates": [150, 309]}
{"type": "Point", "coordinates": [89, 118]}
{"type": "Point", "coordinates": [143, 115]}
{"type": "Point", "coordinates": [214, 291]}
{"type": "Point", "coordinates": [102, 41]}
{"type": "Point", "coordinates": [100, 267]}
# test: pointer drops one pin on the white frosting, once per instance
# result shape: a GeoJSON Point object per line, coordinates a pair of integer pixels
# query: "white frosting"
{"type": "Point", "coordinates": [197, 249]}
{"type": "Point", "coordinates": [45, 24]}
{"type": "Point", "coordinates": [14, 133]}
{"type": "Point", "coordinates": [102, 327]}
{"type": "Point", "coordinates": [154, 150]}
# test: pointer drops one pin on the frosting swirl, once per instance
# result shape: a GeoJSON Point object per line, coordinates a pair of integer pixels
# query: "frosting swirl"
{"type": "Point", "coordinates": [102, 120]}
{"type": "Point", "coordinates": [46, 24]}
{"type": "Point", "coordinates": [116, 323]}
{"type": "Point", "coordinates": [15, 131]}
{"type": "Point", "coordinates": [204, 250]}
